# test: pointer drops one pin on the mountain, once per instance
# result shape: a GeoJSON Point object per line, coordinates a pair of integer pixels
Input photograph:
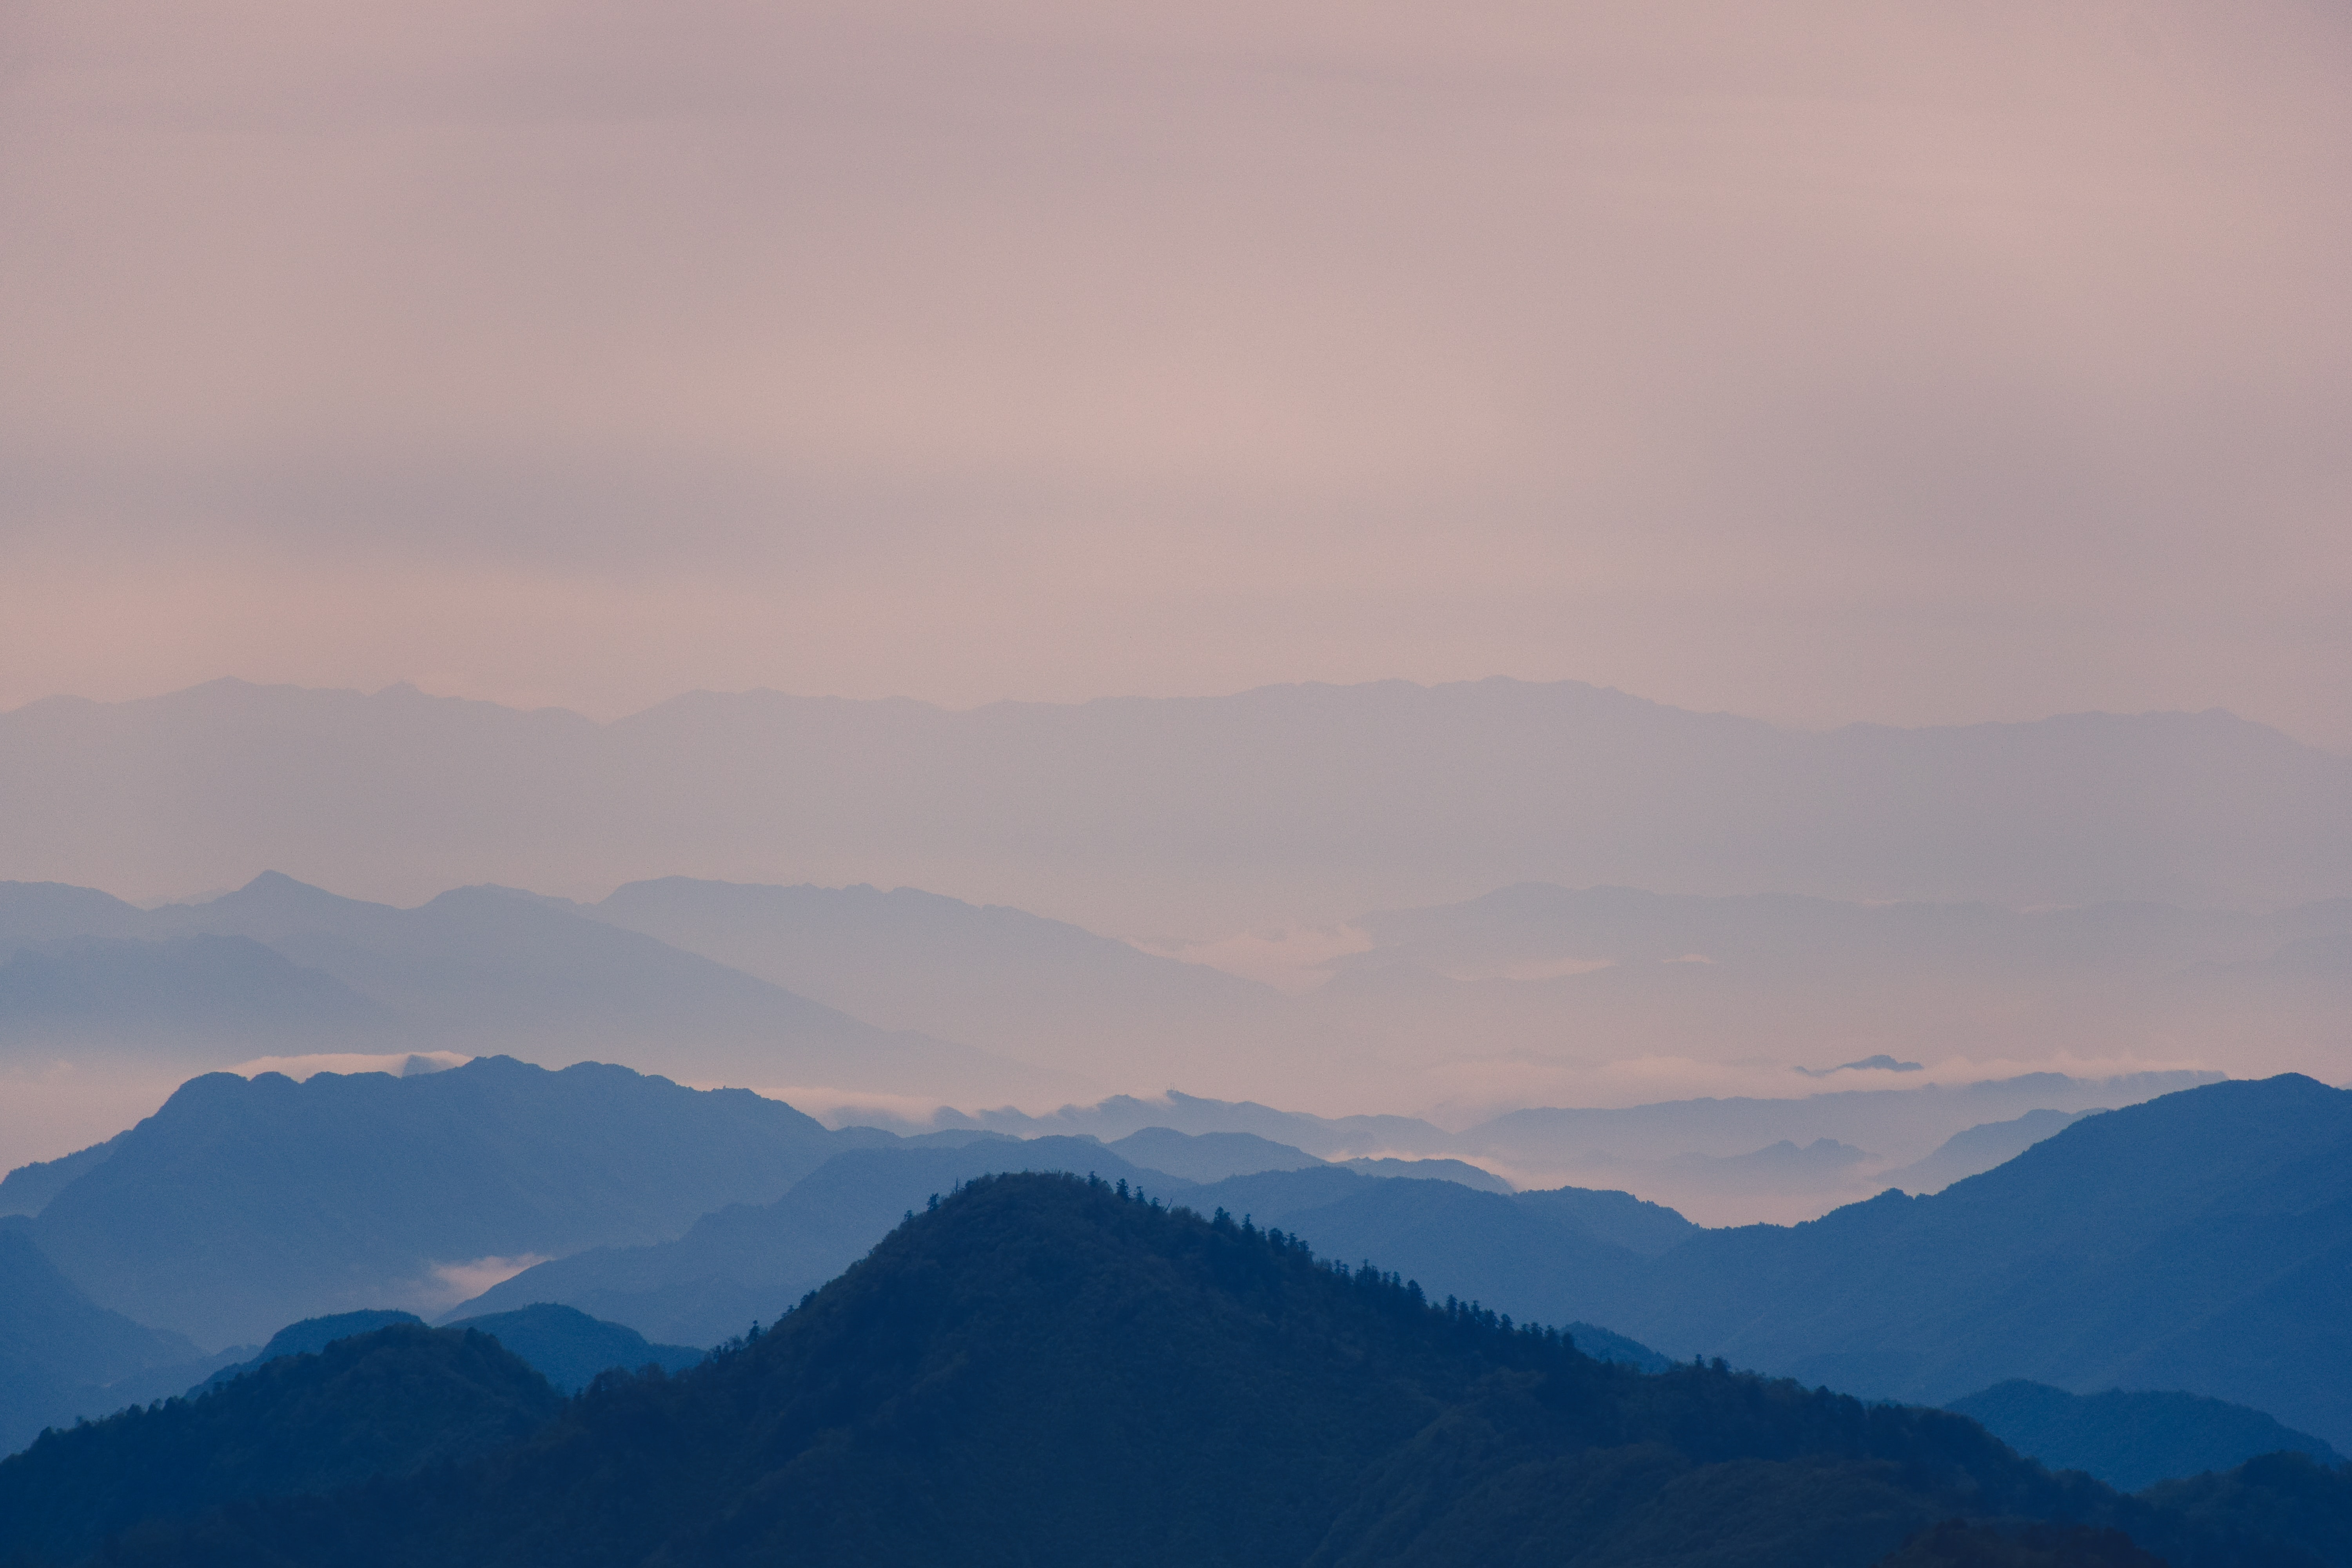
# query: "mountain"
{"type": "Point", "coordinates": [279, 963]}
{"type": "Point", "coordinates": [1003, 979]}
{"type": "Point", "coordinates": [27, 1188]}
{"type": "Point", "coordinates": [379, 1404]}
{"type": "Point", "coordinates": [569, 1347]}
{"type": "Point", "coordinates": [244, 1204]}
{"type": "Point", "coordinates": [193, 995]}
{"type": "Point", "coordinates": [1046, 1371]}
{"type": "Point", "coordinates": [1977, 1149]}
{"type": "Point", "coordinates": [2131, 1440]}
{"type": "Point", "coordinates": [1516, 1253]}
{"type": "Point", "coordinates": [1700, 1156]}
{"type": "Point", "coordinates": [1526, 1254]}
{"type": "Point", "coordinates": [1208, 1156]}
{"type": "Point", "coordinates": [309, 1337]}
{"type": "Point", "coordinates": [1151, 815]}
{"type": "Point", "coordinates": [566, 1347]}
{"type": "Point", "coordinates": [746, 1263]}
{"type": "Point", "coordinates": [1458, 1171]}
{"type": "Point", "coordinates": [59, 1348]}
{"type": "Point", "coordinates": [1120, 1115]}
{"type": "Point", "coordinates": [2201, 1241]}
{"type": "Point", "coordinates": [1722, 1160]}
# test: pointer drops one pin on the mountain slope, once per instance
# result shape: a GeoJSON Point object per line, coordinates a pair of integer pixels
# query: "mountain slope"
{"type": "Point", "coordinates": [189, 995]}
{"type": "Point", "coordinates": [1518, 1253]}
{"type": "Point", "coordinates": [1000, 978]}
{"type": "Point", "coordinates": [244, 1204]}
{"type": "Point", "coordinates": [1044, 1373]}
{"type": "Point", "coordinates": [746, 1263]}
{"type": "Point", "coordinates": [569, 1347]}
{"type": "Point", "coordinates": [475, 969]}
{"type": "Point", "coordinates": [57, 1347]}
{"type": "Point", "coordinates": [2201, 1241]}
{"type": "Point", "coordinates": [381, 1403]}
{"type": "Point", "coordinates": [2131, 1440]}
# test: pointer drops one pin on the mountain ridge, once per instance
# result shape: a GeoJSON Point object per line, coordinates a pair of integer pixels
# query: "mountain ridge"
{"type": "Point", "coordinates": [1322, 800]}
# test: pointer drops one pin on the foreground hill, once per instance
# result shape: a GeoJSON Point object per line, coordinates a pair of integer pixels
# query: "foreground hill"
{"type": "Point", "coordinates": [245, 1204]}
{"type": "Point", "coordinates": [1046, 1372]}
{"type": "Point", "coordinates": [2199, 1242]}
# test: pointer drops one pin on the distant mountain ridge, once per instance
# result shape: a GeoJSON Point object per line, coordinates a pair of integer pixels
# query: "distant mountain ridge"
{"type": "Point", "coordinates": [278, 965]}
{"type": "Point", "coordinates": [1134, 815]}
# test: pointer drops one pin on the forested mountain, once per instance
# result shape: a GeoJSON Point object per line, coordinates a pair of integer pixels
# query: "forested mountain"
{"type": "Point", "coordinates": [383, 1404]}
{"type": "Point", "coordinates": [2132, 1439]}
{"type": "Point", "coordinates": [2197, 1242]}
{"type": "Point", "coordinates": [245, 1204]}
{"type": "Point", "coordinates": [1048, 1371]}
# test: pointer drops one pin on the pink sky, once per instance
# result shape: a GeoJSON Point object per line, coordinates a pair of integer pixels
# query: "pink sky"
{"type": "Point", "coordinates": [1819, 361]}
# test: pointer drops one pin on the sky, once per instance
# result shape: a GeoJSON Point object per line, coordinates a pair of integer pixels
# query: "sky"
{"type": "Point", "coordinates": [1820, 362]}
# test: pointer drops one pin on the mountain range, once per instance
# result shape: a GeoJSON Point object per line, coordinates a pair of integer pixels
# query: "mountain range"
{"type": "Point", "coordinates": [1050, 1371]}
{"type": "Point", "coordinates": [1145, 816]}
{"type": "Point", "coordinates": [2131, 1440]}
{"type": "Point", "coordinates": [2201, 1241]}
{"type": "Point", "coordinates": [244, 1204]}
{"type": "Point", "coordinates": [281, 969]}
{"type": "Point", "coordinates": [281, 966]}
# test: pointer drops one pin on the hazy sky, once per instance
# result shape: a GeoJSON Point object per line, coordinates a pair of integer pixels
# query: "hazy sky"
{"type": "Point", "coordinates": [1816, 361]}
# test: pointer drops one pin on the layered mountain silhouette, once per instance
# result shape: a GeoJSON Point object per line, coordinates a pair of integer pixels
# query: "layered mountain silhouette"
{"type": "Point", "coordinates": [278, 964]}
{"type": "Point", "coordinates": [1046, 1371]}
{"type": "Point", "coordinates": [280, 968]}
{"type": "Point", "coordinates": [2132, 1440]}
{"type": "Point", "coordinates": [746, 1263]}
{"type": "Point", "coordinates": [59, 1348]}
{"type": "Point", "coordinates": [2200, 1242]}
{"type": "Point", "coordinates": [568, 1347]}
{"type": "Point", "coordinates": [1978, 1148]}
{"type": "Point", "coordinates": [1139, 816]}
{"type": "Point", "coordinates": [1004, 979]}
{"type": "Point", "coordinates": [244, 1204]}
{"type": "Point", "coordinates": [1513, 1251]}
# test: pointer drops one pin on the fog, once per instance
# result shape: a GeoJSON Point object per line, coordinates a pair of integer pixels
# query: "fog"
{"type": "Point", "coordinates": [1824, 362]}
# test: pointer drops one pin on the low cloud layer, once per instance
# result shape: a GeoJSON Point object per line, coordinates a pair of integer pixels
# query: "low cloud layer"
{"type": "Point", "coordinates": [1821, 363]}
